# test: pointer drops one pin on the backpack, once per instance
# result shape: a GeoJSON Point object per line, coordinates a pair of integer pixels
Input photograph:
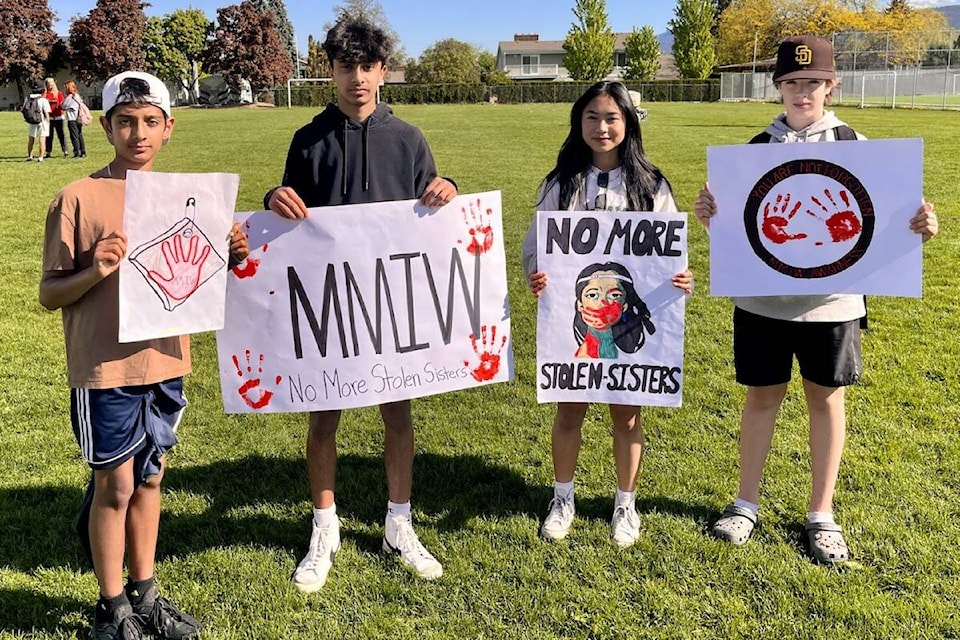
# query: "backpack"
{"type": "Point", "coordinates": [842, 132]}
{"type": "Point", "coordinates": [84, 116]}
{"type": "Point", "coordinates": [31, 110]}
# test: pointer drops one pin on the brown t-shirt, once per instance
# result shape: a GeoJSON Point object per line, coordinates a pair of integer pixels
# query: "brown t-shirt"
{"type": "Point", "coordinates": [82, 214]}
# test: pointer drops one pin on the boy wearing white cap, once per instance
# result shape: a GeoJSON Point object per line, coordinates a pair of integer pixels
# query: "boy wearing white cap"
{"type": "Point", "coordinates": [126, 399]}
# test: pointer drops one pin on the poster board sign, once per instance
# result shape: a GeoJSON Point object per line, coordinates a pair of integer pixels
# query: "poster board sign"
{"type": "Point", "coordinates": [819, 218]}
{"type": "Point", "coordinates": [610, 323]}
{"type": "Point", "coordinates": [360, 305]}
{"type": "Point", "coordinates": [174, 275]}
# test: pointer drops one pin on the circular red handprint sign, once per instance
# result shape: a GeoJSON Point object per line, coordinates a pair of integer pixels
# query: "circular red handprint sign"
{"type": "Point", "coordinates": [809, 218]}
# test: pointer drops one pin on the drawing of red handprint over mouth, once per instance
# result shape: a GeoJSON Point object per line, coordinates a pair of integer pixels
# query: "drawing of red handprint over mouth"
{"type": "Point", "coordinates": [774, 224]}
{"type": "Point", "coordinates": [177, 262]}
{"type": "Point", "coordinates": [842, 225]}
{"type": "Point", "coordinates": [487, 352]}
{"type": "Point", "coordinates": [255, 395]}
{"type": "Point", "coordinates": [479, 226]}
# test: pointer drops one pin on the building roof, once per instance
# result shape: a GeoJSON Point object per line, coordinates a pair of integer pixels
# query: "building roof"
{"type": "Point", "coordinates": [548, 46]}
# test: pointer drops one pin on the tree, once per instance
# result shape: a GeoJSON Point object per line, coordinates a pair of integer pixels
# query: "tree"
{"type": "Point", "coordinates": [174, 46]}
{"type": "Point", "coordinates": [643, 55]}
{"type": "Point", "coordinates": [447, 61]}
{"type": "Point", "coordinates": [246, 44]}
{"type": "Point", "coordinates": [489, 74]}
{"type": "Point", "coordinates": [589, 43]}
{"type": "Point", "coordinates": [26, 41]}
{"type": "Point", "coordinates": [372, 11]}
{"type": "Point", "coordinates": [108, 40]}
{"type": "Point", "coordinates": [749, 26]}
{"type": "Point", "coordinates": [318, 66]}
{"type": "Point", "coordinates": [693, 45]}
{"type": "Point", "coordinates": [283, 25]}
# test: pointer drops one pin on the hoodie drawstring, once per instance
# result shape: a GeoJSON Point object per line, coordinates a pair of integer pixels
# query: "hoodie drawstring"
{"type": "Point", "coordinates": [364, 158]}
{"type": "Point", "coordinates": [366, 166]}
{"type": "Point", "coordinates": [343, 169]}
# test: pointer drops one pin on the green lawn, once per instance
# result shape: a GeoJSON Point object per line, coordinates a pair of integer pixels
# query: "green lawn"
{"type": "Point", "coordinates": [236, 510]}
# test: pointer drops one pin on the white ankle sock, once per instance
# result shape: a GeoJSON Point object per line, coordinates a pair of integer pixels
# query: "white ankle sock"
{"type": "Point", "coordinates": [399, 509]}
{"type": "Point", "coordinates": [820, 517]}
{"type": "Point", "coordinates": [625, 498]}
{"type": "Point", "coordinates": [325, 516]}
{"type": "Point", "coordinates": [562, 490]}
{"type": "Point", "coordinates": [743, 504]}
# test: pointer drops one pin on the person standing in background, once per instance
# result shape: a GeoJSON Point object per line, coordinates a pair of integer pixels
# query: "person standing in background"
{"type": "Point", "coordinates": [55, 97]}
{"type": "Point", "coordinates": [71, 110]}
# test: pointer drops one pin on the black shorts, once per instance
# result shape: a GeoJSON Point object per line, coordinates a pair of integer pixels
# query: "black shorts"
{"type": "Point", "coordinates": [763, 350]}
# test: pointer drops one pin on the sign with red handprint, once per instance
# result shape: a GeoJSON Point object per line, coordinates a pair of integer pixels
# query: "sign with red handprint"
{"type": "Point", "coordinates": [815, 218]}
{"type": "Point", "coordinates": [360, 305]}
{"type": "Point", "coordinates": [173, 279]}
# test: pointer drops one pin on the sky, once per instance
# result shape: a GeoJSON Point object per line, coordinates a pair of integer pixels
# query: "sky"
{"type": "Point", "coordinates": [421, 23]}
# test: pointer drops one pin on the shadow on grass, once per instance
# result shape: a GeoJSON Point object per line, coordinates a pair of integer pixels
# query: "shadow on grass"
{"type": "Point", "coordinates": [257, 500]}
{"type": "Point", "coordinates": [24, 611]}
{"type": "Point", "coordinates": [448, 490]}
{"type": "Point", "coordinates": [601, 508]}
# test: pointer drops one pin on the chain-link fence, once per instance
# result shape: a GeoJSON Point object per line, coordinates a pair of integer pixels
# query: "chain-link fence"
{"type": "Point", "coordinates": [892, 69]}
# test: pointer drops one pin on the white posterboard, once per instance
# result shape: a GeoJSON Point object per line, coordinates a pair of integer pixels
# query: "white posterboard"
{"type": "Point", "coordinates": [173, 278]}
{"type": "Point", "coordinates": [818, 218]}
{"type": "Point", "coordinates": [610, 322]}
{"type": "Point", "coordinates": [365, 304]}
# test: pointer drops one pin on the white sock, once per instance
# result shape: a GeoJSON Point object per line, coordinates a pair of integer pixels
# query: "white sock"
{"type": "Point", "coordinates": [743, 504]}
{"type": "Point", "coordinates": [820, 517]}
{"type": "Point", "coordinates": [399, 509]}
{"type": "Point", "coordinates": [562, 490]}
{"type": "Point", "coordinates": [625, 499]}
{"type": "Point", "coordinates": [325, 516]}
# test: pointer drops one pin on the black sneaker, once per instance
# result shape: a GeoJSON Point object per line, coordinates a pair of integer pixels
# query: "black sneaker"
{"type": "Point", "coordinates": [164, 620]}
{"type": "Point", "coordinates": [126, 625]}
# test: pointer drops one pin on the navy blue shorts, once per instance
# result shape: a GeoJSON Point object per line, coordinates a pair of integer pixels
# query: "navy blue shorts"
{"type": "Point", "coordinates": [763, 350]}
{"type": "Point", "coordinates": [113, 425]}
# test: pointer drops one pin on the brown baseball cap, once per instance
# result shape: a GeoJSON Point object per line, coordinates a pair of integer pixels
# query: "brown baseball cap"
{"type": "Point", "coordinates": [805, 57]}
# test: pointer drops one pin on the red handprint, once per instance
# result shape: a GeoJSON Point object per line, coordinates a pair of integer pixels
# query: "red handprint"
{"type": "Point", "coordinates": [489, 363]}
{"type": "Point", "coordinates": [842, 225]}
{"type": "Point", "coordinates": [184, 267]}
{"type": "Point", "coordinates": [481, 232]}
{"type": "Point", "coordinates": [775, 226]}
{"type": "Point", "coordinates": [247, 268]}
{"type": "Point", "coordinates": [248, 388]}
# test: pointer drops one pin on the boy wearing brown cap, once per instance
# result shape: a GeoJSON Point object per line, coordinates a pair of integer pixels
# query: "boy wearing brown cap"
{"type": "Point", "coordinates": [821, 331]}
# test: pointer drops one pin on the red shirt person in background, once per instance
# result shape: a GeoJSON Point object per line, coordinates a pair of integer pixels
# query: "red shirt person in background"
{"type": "Point", "coordinates": [55, 97]}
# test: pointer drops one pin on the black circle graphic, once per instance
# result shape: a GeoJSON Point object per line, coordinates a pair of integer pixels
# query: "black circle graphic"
{"type": "Point", "coordinates": [791, 168]}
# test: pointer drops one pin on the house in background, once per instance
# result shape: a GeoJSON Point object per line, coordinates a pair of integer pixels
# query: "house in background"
{"type": "Point", "coordinates": [527, 57]}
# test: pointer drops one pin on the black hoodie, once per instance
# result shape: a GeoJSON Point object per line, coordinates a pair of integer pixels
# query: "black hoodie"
{"type": "Point", "coordinates": [335, 160]}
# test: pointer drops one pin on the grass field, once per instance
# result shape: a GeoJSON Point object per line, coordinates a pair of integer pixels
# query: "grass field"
{"type": "Point", "coordinates": [236, 510]}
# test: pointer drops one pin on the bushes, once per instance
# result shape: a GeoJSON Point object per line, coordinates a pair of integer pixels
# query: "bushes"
{"type": "Point", "coordinates": [515, 92]}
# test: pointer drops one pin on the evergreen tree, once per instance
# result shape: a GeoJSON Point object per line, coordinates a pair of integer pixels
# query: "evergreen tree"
{"type": "Point", "coordinates": [694, 46]}
{"type": "Point", "coordinates": [589, 43]}
{"type": "Point", "coordinates": [643, 55]}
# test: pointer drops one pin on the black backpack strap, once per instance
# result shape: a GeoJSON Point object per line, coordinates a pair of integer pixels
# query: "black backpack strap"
{"type": "Point", "coordinates": [843, 132]}
{"type": "Point", "coordinates": [761, 138]}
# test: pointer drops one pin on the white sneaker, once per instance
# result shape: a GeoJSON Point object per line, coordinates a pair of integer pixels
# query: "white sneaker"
{"type": "Point", "coordinates": [559, 518]}
{"type": "Point", "coordinates": [625, 525]}
{"type": "Point", "coordinates": [409, 550]}
{"type": "Point", "coordinates": [312, 571]}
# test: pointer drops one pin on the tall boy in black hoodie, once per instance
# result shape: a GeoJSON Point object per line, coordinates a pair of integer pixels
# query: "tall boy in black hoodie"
{"type": "Point", "coordinates": [357, 152]}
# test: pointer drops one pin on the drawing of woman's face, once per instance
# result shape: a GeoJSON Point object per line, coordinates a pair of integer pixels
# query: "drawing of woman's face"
{"type": "Point", "coordinates": [602, 301]}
